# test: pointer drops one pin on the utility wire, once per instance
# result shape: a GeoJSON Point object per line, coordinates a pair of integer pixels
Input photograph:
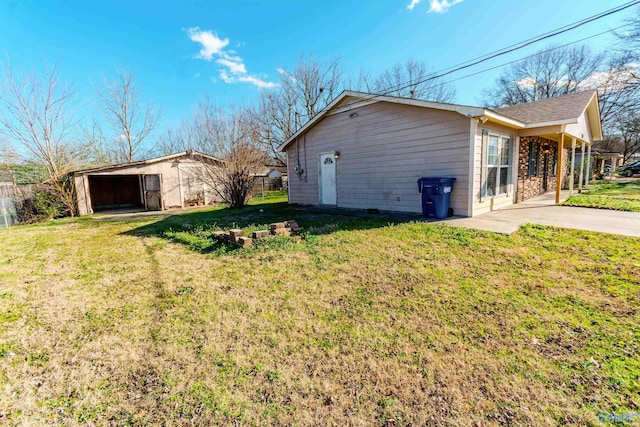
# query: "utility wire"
{"type": "Point", "coordinates": [551, 33]}
{"type": "Point", "coordinates": [501, 52]}
{"type": "Point", "coordinates": [530, 56]}
{"type": "Point", "coordinates": [529, 42]}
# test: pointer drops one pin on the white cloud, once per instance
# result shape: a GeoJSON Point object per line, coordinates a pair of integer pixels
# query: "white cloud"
{"type": "Point", "coordinates": [245, 78]}
{"type": "Point", "coordinates": [256, 81]}
{"type": "Point", "coordinates": [225, 77]}
{"type": "Point", "coordinates": [232, 68]}
{"type": "Point", "coordinates": [413, 4]}
{"type": "Point", "coordinates": [612, 80]}
{"type": "Point", "coordinates": [211, 43]}
{"type": "Point", "coordinates": [441, 6]}
{"type": "Point", "coordinates": [236, 67]}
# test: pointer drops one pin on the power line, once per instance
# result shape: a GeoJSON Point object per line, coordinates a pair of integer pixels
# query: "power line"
{"type": "Point", "coordinates": [550, 33]}
{"type": "Point", "coordinates": [501, 52]}
{"type": "Point", "coordinates": [531, 56]}
{"type": "Point", "coordinates": [521, 45]}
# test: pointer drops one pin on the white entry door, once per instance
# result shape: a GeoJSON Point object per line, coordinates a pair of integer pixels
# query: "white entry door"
{"type": "Point", "coordinates": [327, 179]}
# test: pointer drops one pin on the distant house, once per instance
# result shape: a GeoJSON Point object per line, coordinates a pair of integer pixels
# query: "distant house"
{"type": "Point", "coordinates": [367, 151]}
{"type": "Point", "coordinates": [270, 178]}
{"type": "Point", "coordinates": [171, 181]}
{"type": "Point", "coordinates": [602, 161]}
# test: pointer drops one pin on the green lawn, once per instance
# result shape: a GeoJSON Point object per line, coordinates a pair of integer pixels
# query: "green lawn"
{"type": "Point", "coordinates": [269, 197]}
{"type": "Point", "coordinates": [622, 196]}
{"type": "Point", "coordinates": [366, 320]}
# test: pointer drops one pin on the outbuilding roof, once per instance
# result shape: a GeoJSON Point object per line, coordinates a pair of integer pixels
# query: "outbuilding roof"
{"type": "Point", "coordinates": [189, 153]}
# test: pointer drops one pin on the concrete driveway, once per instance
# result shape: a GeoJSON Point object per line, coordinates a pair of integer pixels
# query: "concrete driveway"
{"type": "Point", "coordinates": [542, 210]}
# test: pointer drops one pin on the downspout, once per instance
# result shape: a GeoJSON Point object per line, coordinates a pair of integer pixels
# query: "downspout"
{"type": "Point", "coordinates": [304, 142]}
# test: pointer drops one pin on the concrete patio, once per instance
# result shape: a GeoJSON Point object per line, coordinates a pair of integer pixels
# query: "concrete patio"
{"type": "Point", "coordinates": [542, 210]}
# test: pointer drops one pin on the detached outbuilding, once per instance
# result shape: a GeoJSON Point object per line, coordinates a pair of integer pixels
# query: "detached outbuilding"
{"type": "Point", "coordinates": [368, 151]}
{"type": "Point", "coordinates": [172, 181]}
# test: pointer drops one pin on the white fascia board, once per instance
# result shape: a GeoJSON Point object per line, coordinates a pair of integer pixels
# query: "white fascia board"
{"type": "Point", "coordinates": [502, 119]}
{"type": "Point", "coordinates": [551, 123]}
{"type": "Point", "coordinates": [361, 99]}
{"type": "Point", "coordinates": [314, 120]}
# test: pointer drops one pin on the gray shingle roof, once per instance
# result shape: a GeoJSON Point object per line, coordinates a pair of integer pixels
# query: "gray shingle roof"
{"type": "Point", "coordinates": [549, 110]}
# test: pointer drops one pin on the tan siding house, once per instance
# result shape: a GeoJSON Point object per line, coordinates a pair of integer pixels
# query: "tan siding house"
{"type": "Point", "coordinates": [368, 151]}
{"type": "Point", "coordinates": [171, 181]}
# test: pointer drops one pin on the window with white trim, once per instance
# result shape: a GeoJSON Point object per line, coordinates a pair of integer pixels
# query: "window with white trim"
{"type": "Point", "coordinates": [498, 165]}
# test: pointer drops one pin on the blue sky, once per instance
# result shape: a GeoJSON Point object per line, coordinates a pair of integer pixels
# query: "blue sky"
{"type": "Point", "coordinates": [184, 49]}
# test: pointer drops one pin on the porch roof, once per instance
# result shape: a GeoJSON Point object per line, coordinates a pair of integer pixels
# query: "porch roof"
{"type": "Point", "coordinates": [571, 114]}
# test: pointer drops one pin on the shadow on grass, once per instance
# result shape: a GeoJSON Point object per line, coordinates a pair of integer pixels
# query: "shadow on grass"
{"type": "Point", "coordinates": [195, 229]}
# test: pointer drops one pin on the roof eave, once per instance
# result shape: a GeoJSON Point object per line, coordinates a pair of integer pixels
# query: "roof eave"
{"type": "Point", "coordinates": [148, 162]}
{"type": "Point", "coordinates": [465, 110]}
{"type": "Point", "coordinates": [501, 119]}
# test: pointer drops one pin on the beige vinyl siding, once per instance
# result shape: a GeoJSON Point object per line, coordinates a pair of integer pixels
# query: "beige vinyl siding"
{"type": "Point", "coordinates": [82, 194]}
{"type": "Point", "coordinates": [490, 204]}
{"type": "Point", "coordinates": [582, 129]}
{"type": "Point", "coordinates": [383, 152]}
{"type": "Point", "coordinates": [171, 191]}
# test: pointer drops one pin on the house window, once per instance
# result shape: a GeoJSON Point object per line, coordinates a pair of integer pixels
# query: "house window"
{"type": "Point", "coordinates": [534, 159]}
{"type": "Point", "coordinates": [498, 165]}
{"type": "Point", "coordinates": [554, 166]}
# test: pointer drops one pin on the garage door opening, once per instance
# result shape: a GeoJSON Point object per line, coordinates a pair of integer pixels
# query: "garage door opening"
{"type": "Point", "coordinates": [115, 192]}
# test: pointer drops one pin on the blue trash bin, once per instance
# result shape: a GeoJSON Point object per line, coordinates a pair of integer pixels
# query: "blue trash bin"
{"type": "Point", "coordinates": [436, 196]}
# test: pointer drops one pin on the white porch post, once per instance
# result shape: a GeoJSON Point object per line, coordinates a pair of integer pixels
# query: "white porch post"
{"type": "Point", "coordinates": [580, 179]}
{"type": "Point", "coordinates": [588, 174]}
{"type": "Point", "coordinates": [573, 166]}
{"type": "Point", "coordinates": [613, 165]}
{"type": "Point", "coordinates": [560, 170]}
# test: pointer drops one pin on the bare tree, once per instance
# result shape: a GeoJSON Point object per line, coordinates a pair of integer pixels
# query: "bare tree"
{"type": "Point", "coordinates": [35, 113]}
{"type": "Point", "coordinates": [8, 153]}
{"type": "Point", "coordinates": [181, 138]}
{"type": "Point", "coordinates": [623, 128]}
{"type": "Point", "coordinates": [624, 135]}
{"type": "Point", "coordinates": [630, 37]}
{"type": "Point", "coordinates": [618, 92]}
{"type": "Point", "coordinates": [230, 135]}
{"type": "Point", "coordinates": [130, 120]}
{"type": "Point", "coordinates": [549, 73]}
{"type": "Point", "coordinates": [362, 83]}
{"type": "Point", "coordinates": [301, 94]}
{"type": "Point", "coordinates": [276, 118]}
{"type": "Point", "coordinates": [98, 149]}
{"type": "Point", "coordinates": [413, 80]}
{"type": "Point", "coordinates": [313, 84]}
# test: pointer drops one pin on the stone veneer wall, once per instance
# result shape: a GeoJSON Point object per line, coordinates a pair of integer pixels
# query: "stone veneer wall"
{"type": "Point", "coordinates": [531, 186]}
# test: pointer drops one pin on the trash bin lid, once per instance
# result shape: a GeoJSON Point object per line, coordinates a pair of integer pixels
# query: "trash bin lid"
{"type": "Point", "coordinates": [436, 180]}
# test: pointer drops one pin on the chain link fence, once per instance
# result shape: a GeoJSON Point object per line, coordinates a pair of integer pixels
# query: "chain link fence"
{"type": "Point", "coordinates": [11, 196]}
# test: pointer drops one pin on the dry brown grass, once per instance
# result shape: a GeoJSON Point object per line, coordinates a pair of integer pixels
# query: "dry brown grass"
{"type": "Point", "coordinates": [409, 324]}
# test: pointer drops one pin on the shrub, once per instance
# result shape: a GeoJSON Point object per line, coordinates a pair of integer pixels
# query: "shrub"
{"type": "Point", "coordinates": [41, 206]}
